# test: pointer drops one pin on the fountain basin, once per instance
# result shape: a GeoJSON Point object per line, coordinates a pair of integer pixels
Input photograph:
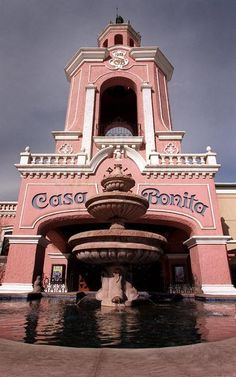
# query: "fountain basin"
{"type": "Point", "coordinates": [116, 252]}
{"type": "Point", "coordinates": [117, 246]}
{"type": "Point", "coordinates": [122, 205]}
{"type": "Point", "coordinates": [123, 235]}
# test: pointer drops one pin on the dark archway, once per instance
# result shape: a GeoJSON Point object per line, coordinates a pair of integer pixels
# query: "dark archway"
{"type": "Point", "coordinates": [118, 109]}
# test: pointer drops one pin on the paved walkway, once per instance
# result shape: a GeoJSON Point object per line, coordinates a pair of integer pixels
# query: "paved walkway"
{"type": "Point", "coordinates": [201, 360]}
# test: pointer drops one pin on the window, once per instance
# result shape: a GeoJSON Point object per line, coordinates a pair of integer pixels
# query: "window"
{"type": "Point", "coordinates": [131, 42]}
{"type": "Point", "coordinates": [105, 43]}
{"type": "Point", "coordinates": [4, 246]}
{"type": "Point", "coordinates": [118, 39]}
{"type": "Point", "coordinates": [118, 131]}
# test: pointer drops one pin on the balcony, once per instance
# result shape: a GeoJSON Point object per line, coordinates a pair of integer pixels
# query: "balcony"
{"type": "Point", "coordinates": [129, 146]}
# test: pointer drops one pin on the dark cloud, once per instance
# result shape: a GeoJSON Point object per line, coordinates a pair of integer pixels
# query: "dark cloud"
{"type": "Point", "coordinates": [38, 37]}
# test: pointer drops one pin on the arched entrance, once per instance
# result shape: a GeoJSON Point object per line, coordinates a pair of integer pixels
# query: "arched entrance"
{"type": "Point", "coordinates": [172, 269]}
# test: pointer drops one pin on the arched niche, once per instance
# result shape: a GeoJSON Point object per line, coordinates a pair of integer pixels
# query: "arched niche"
{"type": "Point", "coordinates": [118, 108]}
{"type": "Point", "coordinates": [118, 40]}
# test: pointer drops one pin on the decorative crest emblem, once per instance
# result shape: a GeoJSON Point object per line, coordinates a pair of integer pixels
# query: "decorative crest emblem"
{"type": "Point", "coordinates": [65, 149]}
{"type": "Point", "coordinates": [171, 149]}
{"type": "Point", "coordinates": [118, 61]}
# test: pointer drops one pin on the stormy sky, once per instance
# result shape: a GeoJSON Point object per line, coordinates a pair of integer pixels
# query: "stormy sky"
{"type": "Point", "coordinates": [38, 37]}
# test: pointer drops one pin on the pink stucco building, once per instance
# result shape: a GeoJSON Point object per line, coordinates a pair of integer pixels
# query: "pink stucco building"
{"type": "Point", "coordinates": [118, 111]}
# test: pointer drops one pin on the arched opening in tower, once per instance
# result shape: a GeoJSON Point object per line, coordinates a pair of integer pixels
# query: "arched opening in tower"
{"type": "Point", "coordinates": [118, 111]}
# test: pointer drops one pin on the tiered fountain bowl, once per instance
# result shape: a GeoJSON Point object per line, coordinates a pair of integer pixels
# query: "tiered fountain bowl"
{"type": "Point", "coordinates": [117, 248]}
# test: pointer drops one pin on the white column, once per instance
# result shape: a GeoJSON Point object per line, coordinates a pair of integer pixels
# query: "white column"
{"type": "Point", "coordinates": [88, 120]}
{"type": "Point", "coordinates": [148, 119]}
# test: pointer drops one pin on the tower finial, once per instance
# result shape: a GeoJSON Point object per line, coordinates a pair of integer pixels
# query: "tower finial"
{"type": "Point", "coordinates": [119, 19]}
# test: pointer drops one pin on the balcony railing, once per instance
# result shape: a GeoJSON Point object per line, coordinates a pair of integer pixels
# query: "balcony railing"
{"type": "Point", "coordinates": [183, 159]}
{"type": "Point", "coordinates": [52, 159]}
{"type": "Point", "coordinates": [72, 160]}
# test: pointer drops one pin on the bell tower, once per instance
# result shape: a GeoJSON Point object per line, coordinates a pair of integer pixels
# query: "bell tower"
{"type": "Point", "coordinates": [118, 113]}
{"type": "Point", "coordinates": [118, 98]}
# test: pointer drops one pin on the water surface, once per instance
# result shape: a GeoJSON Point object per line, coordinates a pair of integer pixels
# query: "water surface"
{"type": "Point", "coordinates": [62, 322]}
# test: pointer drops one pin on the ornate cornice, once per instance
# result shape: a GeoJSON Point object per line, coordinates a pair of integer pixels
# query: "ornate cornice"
{"type": "Point", "coordinates": [153, 54]}
{"type": "Point", "coordinates": [93, 54]}
{"type": "Point", "coordinates": [8, 209]}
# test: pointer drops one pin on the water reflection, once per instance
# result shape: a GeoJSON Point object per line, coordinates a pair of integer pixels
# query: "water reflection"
{"type": "Point", "coordinates": [117, 326]}
{"type": "Point", "coordinates": [32, 322]}
{"type": "Point", "coordinates": [216, 321]}
{"type": "Point", "coordinates": [62, 322]}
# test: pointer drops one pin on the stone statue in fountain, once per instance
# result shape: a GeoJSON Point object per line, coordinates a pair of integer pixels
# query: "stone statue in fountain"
{"type": "Point", "coordinates": [116, 249]}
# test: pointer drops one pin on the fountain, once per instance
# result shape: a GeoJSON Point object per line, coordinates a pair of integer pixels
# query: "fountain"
{"type": "Point", "coordinates": [117, 248]}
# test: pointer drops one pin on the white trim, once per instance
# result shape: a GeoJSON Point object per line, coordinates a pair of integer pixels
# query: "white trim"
{"type": "Point", "coordinates": [170, 135]}
{"type": "Point", "coordinates": [153, 54]}
{"type": "Point", "coordinates": [231, 242]}
{"type": "Point", "coordinates": [148, 119]}
{"type": "Point", "coordinates": [7, 228]}
{"type": "Point", "coordinates": [114, 141]}
{"type": "Point", "coordinates": [167, 104]}
{"type": "Point", "coordinates": [114, 73]}
{"type": "Point", "coordinates": [74, 93]}
{"type": "Point", "coordinates": [18, 239]}
{"type": "Point", "coordinates": [206, 240]}
{"type": "Point", "coordinates": [66, 135]}
{"type": "Point", "coordinates": [16, 288]}
{"type": "Point", "coordinates": [219, 289]}
{"type": "Point", "coordinates": [225, 191]}
{"type": "Point", "coordinates": [136, 157]}
{"type": "Point", "coordinates": [93, 54]}
{"type": "Point", "coordinates": [160, 100]}
{"type": "Point", "coordinates": [57, 255]}
{"type": "Point", "coordinates": [86, 144]}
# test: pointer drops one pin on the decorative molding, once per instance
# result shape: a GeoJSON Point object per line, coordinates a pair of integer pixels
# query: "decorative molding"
{"type": "Point", "coordinates": [170, 135]}
{"type": "Point", "coordinates": [156, 165]}
{"type": "Point", "coordinates": [58, 255]}
{"type": "Point", "coordinates": [119, 60]}
{"type": "Point", "coordinates": [86, 144]}
{"type": "Point", "coordinates": [18, 239]}
{"type": "Point", "coordinates": [219, 289]}
{"type": "Point", "coordinates": [113, 141]}
{"type": "Point", "coordinates": [65, 149]}
{"type": "Point", "coordinates": [66, 135]}
{"type": "Point", "coordinates": [231, 242]}
{"type": "Point", "coordinates": [206, 240]}
{"type": "Point", "coordinates": [171, 148]}
{"type": "Point", "coordinates": [148, 119]}
{"type": "Point", "coordinates": [85, 55]}
{"type": "Point", "coordinates": [8, 209]}
{"type": "Point", "coordinates": [153, 54]}
{"type": "Point", "coordinates": [16, 287]}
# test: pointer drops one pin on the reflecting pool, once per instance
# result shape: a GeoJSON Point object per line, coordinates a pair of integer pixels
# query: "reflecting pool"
{"type": "Point", "coordinates": [62, 322]}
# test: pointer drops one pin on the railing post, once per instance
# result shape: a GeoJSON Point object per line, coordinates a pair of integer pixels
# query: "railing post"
{"type": "Point", "coordinates": [210, 157]}
{"type": "Point", "coordinates": [25, 156]}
